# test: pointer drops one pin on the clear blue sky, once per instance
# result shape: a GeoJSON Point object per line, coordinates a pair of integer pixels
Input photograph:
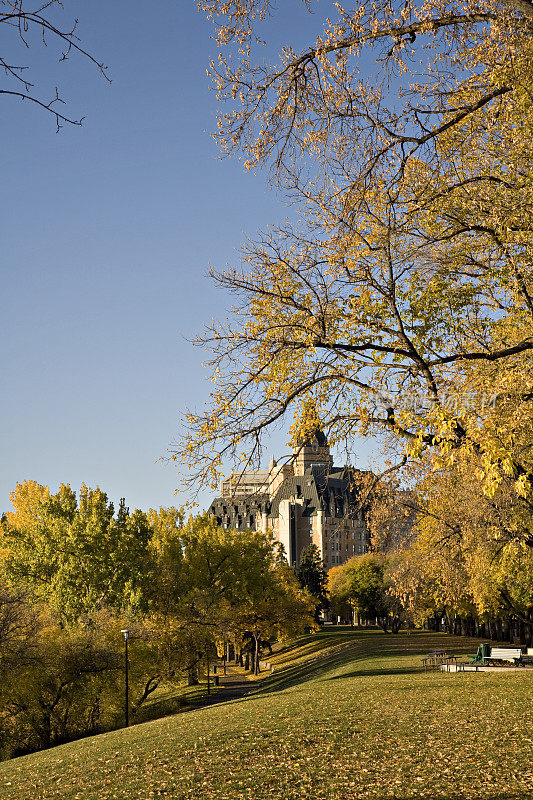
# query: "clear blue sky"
{"type": "Point", "coordinates": [107, 232]}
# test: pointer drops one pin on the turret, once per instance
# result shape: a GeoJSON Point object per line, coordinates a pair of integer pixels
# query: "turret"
{"type": "Point", "coordinates": [313, 451]}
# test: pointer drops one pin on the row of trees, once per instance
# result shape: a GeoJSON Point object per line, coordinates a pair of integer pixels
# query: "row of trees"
{"type": "Point", "coordinates": [456, 564]}
{"type": "Point", "coordinates": [74, 572]}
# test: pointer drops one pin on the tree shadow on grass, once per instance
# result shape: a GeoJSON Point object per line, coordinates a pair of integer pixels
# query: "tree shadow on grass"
{"type": "Point", "coordinates": [301, 673]}
{"type": "Point", "coordinates": [353, 646]}
{"type": "Point", "coordinates": [353, 649]}
{"type": "Point", "coordinates": [315, 643]}
{"type": "Point", "coordinates": [364, 673]}
{"type": "Point", "coordinates": [317, 668]}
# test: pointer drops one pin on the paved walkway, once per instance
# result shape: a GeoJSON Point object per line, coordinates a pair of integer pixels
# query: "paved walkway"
{"type": "Point", "coordinates": [232, 687]}
{"type": "Point", "coordinates": [481, 668]}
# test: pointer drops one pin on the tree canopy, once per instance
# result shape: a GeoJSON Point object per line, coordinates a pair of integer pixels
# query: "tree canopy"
{"type": "Point", "coordinates": [362, 583]}
{"type": "Point", "coordinates": [74, 552]}
{"type": "Point", "coordinates": [312, 574]}
{"type": "Point", "coordinates": [402, 301]}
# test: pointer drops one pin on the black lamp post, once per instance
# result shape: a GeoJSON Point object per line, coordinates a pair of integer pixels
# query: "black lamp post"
{"type": "Point", "coordinates": [225, 645]}
{"type": "Point", "coordinates": [126, 634]}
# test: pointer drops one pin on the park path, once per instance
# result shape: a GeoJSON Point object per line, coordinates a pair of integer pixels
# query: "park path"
{"type": "Point", "coordinates": [233, 686]}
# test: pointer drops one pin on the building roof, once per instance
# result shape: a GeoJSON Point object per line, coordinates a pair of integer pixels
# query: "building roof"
{"type": "Point", "coordinates": [227, 508]}
{"type": "Point", "coordinates": [333, 492]}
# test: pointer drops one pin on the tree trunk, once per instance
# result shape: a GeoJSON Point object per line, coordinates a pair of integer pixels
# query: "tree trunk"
{"type": "Point", "coordinates": [506, 630]}
{"type": "Point", "coordinates": [94, 715]}
{"type": "Point", "coordinates": [522, 632]}
{"type": "Point", "coordinates": [383, 623]}
{"type": "Point", "coordinates": [45, 735]}
{"type": "Point", "coordinates": [150, 686]}
{"type": "Point", "coordinates": [529, 629]}
{"type": "Point", "coordinates": [256, 655]}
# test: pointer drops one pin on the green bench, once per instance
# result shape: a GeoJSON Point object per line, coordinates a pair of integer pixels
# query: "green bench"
{"type": "Point", "coordinates": [487, 655]}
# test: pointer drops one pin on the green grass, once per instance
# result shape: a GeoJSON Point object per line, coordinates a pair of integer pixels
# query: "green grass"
{"type": "Point", "coordinates": [173, 699]}
{"type": "Point", "coordinates": [345, 715]}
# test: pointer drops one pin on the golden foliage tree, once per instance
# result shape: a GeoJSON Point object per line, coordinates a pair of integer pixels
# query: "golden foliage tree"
{"type": "Point", "coordinates": [472, 551]}
{"type": "Point", "coordinates": [403, 136]}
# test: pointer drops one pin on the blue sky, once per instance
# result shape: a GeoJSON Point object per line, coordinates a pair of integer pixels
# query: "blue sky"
{"type": "Point", "coordinates": [107, 233]}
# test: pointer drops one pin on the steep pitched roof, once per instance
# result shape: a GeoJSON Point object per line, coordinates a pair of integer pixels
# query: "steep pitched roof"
{"type": "Point", "coordinates": [333, 492]}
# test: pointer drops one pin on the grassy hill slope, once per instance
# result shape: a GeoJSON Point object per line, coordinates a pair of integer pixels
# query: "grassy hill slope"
{"type": "Point", "coordinates": [345, 715]}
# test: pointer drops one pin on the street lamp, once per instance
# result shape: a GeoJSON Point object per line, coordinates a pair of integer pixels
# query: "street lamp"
{"type": "Point", "coordinates": [126, 632]}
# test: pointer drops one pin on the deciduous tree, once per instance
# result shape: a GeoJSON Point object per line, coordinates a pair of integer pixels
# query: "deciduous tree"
{"type": "Point", "coordinates": [471, 552]}
{"type": "Point", "coordinates": [411, 263]}
{"type": "Point", "coordinates": [75, 553]}
{"type": "Point", "coordinates": [361, 582]}
{"type": "Point", "coordinates": [312, 575]}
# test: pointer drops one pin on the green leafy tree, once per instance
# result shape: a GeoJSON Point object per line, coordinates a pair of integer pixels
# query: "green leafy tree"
{"type": "Point", "coordinates": [361, 582]}
{"type": "Point", "coordinates": [76, 573]}
{"type": "Point", "coordinates": [19, 623]}
{"type": "Point", "coordinates": [165, 562]}
{"type": "Point", "coordinates": [236, 581]}
{"type": "Point", "coordinates": [272, 606]}
{"type": "Point", "coordinates": [209, 582]}
{"type": "Point", "coordinates": [75, 553]}
{"type": "Point", "coordinates": [69, 683]}
{"type": "Point", "coordinates": [312, 575]}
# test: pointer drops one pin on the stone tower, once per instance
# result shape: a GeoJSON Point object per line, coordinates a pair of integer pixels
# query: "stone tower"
{"type": "Point", "coordinates": [313, 452]}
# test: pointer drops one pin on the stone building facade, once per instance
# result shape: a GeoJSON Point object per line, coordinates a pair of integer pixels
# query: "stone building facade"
{"type": "Point", "coordinates": [306, 501]}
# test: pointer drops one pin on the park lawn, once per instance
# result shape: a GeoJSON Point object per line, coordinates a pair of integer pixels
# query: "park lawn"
{"type": "Point", "coordinates": [344, 715]}
{"type": "Point", "coordinates": [173, 699]}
